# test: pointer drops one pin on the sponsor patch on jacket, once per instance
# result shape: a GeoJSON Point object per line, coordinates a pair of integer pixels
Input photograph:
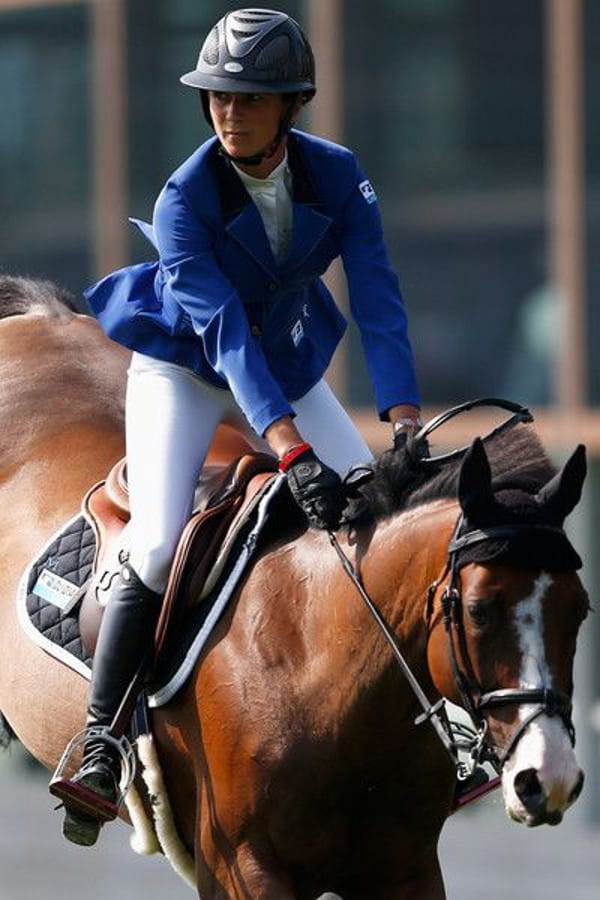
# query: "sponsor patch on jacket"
{"type": "Point", "coordinates": [297, 332]}
{"type": "Point", "coordinates": [368, 192]}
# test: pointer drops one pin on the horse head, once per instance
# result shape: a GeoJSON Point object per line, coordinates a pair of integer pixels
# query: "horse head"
{"type": "Point", "coordinates": [503, 644]}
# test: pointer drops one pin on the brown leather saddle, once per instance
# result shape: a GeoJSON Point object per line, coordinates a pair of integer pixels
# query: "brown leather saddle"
{"type": "Point", "coordinates": [232, 479]}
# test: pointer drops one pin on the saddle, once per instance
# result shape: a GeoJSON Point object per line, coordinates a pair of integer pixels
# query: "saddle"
{"type": "Point", "coordinates": [230, 483]}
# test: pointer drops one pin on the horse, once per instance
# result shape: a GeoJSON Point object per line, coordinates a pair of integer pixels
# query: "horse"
{"type": "Point", "coordinates": [297, 757]}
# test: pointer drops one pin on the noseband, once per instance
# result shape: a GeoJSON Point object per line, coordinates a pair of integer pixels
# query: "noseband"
{"type": "Point", "coordinates": [476, 701]}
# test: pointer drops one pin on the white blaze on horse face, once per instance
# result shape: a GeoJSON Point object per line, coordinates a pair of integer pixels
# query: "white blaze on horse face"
{"type": "Point", "coordinates": [545, 746]}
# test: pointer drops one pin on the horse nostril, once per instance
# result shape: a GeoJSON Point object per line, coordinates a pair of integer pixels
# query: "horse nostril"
{"type": "Point", "coordinates": [577, 789]}
{"type": "Point", "coordinates": [528, 787]}
{"type": "Point", "coordinates": [554, 818]}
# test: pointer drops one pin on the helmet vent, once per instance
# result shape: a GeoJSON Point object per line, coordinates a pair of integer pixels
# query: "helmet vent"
{"type": "Point", "coordinates": [210, 50]}
{"type": "Point", "coordinates": [274, 56]}
{"type": "Point", "coordinates": [246, 20]}
{"type": "Point", "coordinates": [245, 30]}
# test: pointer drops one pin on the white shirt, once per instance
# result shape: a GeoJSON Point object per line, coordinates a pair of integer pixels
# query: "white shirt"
{"type": "Point", "coordinates": [272, 196]}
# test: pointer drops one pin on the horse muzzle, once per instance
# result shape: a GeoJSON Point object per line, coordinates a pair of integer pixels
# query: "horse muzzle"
{"type": "Point", "coordinates": [541, 779]}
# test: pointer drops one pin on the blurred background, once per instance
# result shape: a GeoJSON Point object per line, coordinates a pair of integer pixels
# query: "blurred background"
{"type": "Point", "coordinates": [477, 124]}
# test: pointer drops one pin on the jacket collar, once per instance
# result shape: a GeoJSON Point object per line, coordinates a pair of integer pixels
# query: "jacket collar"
{"type": "Point", "coordinates": [234, 196]}
{"type": "Point", "coordinates": [242, 219]}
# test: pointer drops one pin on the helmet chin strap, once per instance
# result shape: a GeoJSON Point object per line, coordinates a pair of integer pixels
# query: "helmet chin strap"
{"type": "Point", "coordinates": [257, 158]}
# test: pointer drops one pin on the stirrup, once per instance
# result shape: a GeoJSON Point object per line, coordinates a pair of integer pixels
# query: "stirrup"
{"type": "Point", "coordinates": [88, 801]}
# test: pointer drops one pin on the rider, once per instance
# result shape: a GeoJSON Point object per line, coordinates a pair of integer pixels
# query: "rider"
{"type": "Point", "coordinates": [234, 314]}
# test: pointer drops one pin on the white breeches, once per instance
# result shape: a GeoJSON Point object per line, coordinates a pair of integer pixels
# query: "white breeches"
{"type": "Point", "coordinates": [171, 417]}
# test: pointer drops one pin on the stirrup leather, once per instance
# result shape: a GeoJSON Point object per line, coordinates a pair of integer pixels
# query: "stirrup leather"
{"type": "Point", "coordinates": [78, 795]}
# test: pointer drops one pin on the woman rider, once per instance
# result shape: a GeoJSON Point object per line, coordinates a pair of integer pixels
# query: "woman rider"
{"type": "Point", "coordinates": [234, 314]}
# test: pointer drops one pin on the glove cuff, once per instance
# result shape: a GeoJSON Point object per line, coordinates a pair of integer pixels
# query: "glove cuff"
{"type": "Point", "coordinates": [292, 455]}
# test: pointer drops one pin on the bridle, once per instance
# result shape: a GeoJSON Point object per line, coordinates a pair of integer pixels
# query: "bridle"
{"type": "Point", "coordinates": [466, 746]}
{"type": "Point", "coordinates": [458, 738]}
{"type": "Point", "coordinates": [476, 701]}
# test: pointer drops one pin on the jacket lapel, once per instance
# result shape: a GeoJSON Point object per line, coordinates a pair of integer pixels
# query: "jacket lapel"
{"type": "Point", "coordinates": [240, 215]}
{"type": "Point", "coordinates": [310, 221]}
{"type": "Point", "coordinates": [248, 230]}
{"type": "Point", "coordinates": [309, 227]}
{"type": "Point", "coordinates": [243, 221]}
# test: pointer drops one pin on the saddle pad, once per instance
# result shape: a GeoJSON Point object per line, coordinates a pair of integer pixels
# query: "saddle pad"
{"type": "Point", "coordinates": [53, 586]}
{"type": "Point", "coordinates": [51, 590]}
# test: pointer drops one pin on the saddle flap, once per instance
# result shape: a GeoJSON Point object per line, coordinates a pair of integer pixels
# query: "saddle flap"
{"type": "Point", "coordinates": [205, 550]}
{"type": "Point", "coordinates": [226, 490]}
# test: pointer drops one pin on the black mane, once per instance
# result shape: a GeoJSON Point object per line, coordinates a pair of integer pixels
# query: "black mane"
{"type": "Point", "coordinates": [517, 459]}
{"type": "Point", "coordinates": [20, 296]}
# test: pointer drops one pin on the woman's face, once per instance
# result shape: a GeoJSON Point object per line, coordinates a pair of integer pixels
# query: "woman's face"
{"type": "Point", "coordinates": [247, 123]}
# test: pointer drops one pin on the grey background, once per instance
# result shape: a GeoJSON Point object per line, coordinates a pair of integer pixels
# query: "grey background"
{"type": "Point", "coordinates": [483, 854]}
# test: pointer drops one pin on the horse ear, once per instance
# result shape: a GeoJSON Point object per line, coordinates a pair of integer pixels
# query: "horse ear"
{"type": "Point", "coordinates": [563, 492]}
{"type": "Point", "coordinates": [475, 492]}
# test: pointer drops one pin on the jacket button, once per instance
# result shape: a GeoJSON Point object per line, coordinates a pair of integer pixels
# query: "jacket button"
{"type": "Point", "coordinates": [256, 331]}
{"type": "Point", "coordinates": [272, 286]}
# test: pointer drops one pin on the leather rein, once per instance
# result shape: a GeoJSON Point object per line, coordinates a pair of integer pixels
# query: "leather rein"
{"type": "Point", "coordinates": [458, 738]}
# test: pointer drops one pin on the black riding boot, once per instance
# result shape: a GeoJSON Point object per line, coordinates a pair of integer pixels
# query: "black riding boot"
{"type": "Point", "coordinates": [125, 643]}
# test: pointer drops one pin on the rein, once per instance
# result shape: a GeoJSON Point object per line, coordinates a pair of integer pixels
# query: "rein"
{"type": "Point", "coordinates": [434, 713]}
{"type": "Point", "coordinates": [453, 736]}
{"type": "Point", "coordinates": [456, 737]}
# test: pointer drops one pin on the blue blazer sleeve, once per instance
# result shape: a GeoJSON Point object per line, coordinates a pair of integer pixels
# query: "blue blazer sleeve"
{"type": "Point", "coordinates": [375, 298]}
{"type": "Point", "coordinates": [197, 284]}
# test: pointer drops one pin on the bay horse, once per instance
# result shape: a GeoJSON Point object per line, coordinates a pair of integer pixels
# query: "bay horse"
{"type": "Point", "coordinates": [292, 759]}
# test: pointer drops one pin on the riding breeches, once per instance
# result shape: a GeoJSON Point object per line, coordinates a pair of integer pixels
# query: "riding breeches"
{"type": "Point", "coordinates": [171, 417]}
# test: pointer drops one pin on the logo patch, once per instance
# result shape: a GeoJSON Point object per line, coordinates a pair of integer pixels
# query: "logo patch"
{"type": "Point", "coordinates": [297, 332]}
{"type": "Point", "coordinates": [56, 590]}
{"type": "Point", "coordinates": [366, 189]}
{"type": "Point", "coordinates": [233, 67]}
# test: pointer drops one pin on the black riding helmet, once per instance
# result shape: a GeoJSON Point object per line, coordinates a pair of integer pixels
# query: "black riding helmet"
{"type": "Point", "coordinates": [260, 51]}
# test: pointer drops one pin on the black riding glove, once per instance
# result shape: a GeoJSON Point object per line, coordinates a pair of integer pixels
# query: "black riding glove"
{"type": "Point", "coordinates": [316, 488]}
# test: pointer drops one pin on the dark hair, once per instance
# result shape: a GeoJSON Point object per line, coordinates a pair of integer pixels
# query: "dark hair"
{"type": "Point", "coordinates": [21, 295]}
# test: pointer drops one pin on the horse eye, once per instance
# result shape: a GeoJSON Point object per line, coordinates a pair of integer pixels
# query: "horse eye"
{"type": "Point", "coordinates": [478, 614]}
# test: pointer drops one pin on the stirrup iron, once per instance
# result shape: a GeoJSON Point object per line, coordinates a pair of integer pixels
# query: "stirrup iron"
{"type": "Point", "coordinates": [60, 781]}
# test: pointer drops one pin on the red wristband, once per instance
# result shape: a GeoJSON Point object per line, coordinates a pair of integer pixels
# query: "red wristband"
{"type": "Point", "coordinates": [288, 458]}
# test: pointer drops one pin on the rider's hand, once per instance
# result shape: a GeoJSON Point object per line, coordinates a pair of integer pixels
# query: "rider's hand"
{"type": "Point", "coordinates": [316, 488]}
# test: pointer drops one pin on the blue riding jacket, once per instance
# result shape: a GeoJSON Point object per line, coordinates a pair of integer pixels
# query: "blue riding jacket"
{"type": "Point", "coordinates": [217, 302]}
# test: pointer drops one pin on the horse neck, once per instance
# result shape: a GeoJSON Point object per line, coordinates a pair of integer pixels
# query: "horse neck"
{"type": "Point", "coordinates": [405, 556]}
{"type": "Point", "coordinates": [59, 381]}
{"type": "Point", "coordinates": [62, 386]}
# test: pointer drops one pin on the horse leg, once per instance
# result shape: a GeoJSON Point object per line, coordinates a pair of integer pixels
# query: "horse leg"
{"type": "Point", "coordinates": [424, 884]}
{"type": "Point", "coordinates": [239, 875]}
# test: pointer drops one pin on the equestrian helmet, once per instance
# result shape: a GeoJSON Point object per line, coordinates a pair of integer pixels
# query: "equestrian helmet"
{"type": "Point", "coordinates": [255, 51]}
